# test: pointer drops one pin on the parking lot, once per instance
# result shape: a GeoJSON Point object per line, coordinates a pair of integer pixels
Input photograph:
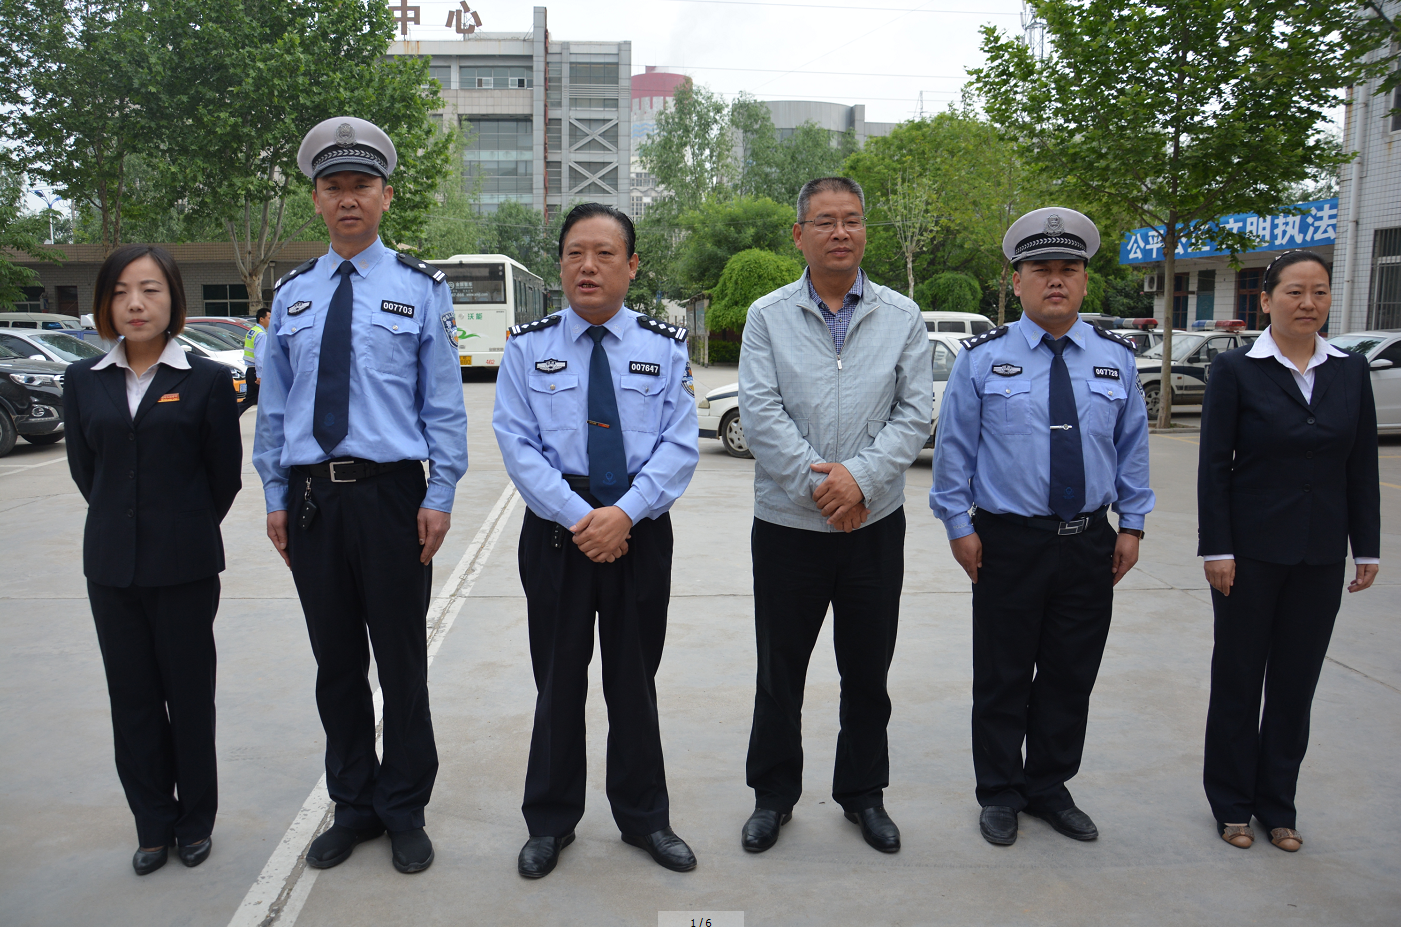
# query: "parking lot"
{"type": "Point", "coordinates": [66, 835]}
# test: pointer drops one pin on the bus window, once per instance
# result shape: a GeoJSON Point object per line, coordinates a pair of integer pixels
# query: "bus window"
{"type": "Point", "coordinates": [477, 283]}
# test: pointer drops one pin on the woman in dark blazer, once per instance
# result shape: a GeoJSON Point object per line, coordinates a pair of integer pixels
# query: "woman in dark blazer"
{"type": "Point", "coordinates": [1288, 477]}
{"type": "Point", "coordinates": [154, 446]}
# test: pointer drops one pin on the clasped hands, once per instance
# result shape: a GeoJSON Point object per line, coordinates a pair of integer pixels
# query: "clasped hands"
{"type": "Point", "coordinates": [602, 535]}
{"type": "Point", "coordinates": [839, 498]}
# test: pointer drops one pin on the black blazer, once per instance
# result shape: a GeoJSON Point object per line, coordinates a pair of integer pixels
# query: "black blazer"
{"type": "Point", "coordinates": [157, 486]}
{"type": "Point", "coordinates": [1282, 480]}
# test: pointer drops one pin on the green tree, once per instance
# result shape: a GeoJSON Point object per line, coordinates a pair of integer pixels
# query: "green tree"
{"type": "Point", "coordinates": [520, 232]}
{"type": "Point", "coordinates": [689, 153]}
{"type": "Point", "coordinates": [950, 291]}
{"type": "Point", "coordinates": [767, 166]}
{"type": "Point", "coordinates": [719, 229]}
{"type": "Point", "coordinates": [748, 276]}
{"type": "Point", "coordinates": [1175, 113]}
{"type": "Point", "coordinates": [21, 231]}
{"type": "Point", "coordinates": [454, 224]}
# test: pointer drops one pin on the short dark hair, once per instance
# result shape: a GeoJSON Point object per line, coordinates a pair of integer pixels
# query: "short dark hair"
{"type": "Point", "coordinates": [1270, 279]}
{"type": "Point", "coordinates": [258, 316]}
{"type": "Point", "coordinates": [828, 185]}
{"type": "Point", "coordinates": [589, 211]}
{"type": "Point", "coordinates": [111, 271]}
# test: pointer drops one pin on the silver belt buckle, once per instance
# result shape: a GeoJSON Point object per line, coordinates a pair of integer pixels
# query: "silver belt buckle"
{"type": "Point", "coordinates": [331, 464]}
{"type": "Point", "coordinates": [1077, 526]}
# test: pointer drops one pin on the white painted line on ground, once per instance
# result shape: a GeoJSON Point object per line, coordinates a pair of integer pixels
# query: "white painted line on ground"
{"type": "Point", "coordinates": [20, 468]}
{"type": "Point", "coordinates": [277, 895]}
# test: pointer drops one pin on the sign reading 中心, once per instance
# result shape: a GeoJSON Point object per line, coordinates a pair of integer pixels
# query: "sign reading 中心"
{"type": "Point", "coordinates": [1315, 225]}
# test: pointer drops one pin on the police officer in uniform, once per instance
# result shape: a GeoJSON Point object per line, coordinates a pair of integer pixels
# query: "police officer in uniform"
{"type": "Point", "coordinates": [360, 385]}
{"type": "Point", "coordinates": [597, 425]}
{"type": "Point", "coordinates": [1043, 430]}
{"type": "Point", "coordinates": [253, 343]}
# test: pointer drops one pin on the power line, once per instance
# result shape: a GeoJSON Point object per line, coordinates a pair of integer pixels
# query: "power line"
{"type": "Point", "coordinates": [847, 9]}
{"type": "Point", "coordinates": [697, 67]}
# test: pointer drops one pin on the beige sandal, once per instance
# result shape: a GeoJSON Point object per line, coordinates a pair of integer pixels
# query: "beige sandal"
{"type": "Point", "coordinates": [1237, 835]}
{"type": "Point", "coordinates": [1287, 839]}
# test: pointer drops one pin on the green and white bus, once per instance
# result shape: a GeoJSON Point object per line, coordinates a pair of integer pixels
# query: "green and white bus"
{"type": "Point", "coordinates": [490, 293]}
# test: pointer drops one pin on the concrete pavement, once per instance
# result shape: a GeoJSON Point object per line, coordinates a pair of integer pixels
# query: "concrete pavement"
{"type": "Point", "coordinates": [66, 835]}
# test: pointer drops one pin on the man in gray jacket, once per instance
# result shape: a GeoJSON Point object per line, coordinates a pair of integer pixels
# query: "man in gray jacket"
{"type": "Point", "coordinates": [835, 390]}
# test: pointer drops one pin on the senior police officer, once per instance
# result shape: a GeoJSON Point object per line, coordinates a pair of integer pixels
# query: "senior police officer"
{"type": "Point", "coordinates": [597, 425]}
{"type": "Point", "coordinates": [360, 385]}
{"type": "Point", "coordinates": [1043, 431]}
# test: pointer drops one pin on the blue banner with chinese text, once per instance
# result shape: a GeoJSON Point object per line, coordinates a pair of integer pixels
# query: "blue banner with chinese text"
{"type": "Point", "coordinates": [1315, 226]}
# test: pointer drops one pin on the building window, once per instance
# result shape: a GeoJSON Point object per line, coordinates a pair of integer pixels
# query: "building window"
{"type": "Point", "coordinates": [66, 300]}
{"type": "Point", "coordinates": [442, 73]}
{"type": "Point", "coordinates": [437, 120]}
{"type": "Point", "coordinates": [1248, 282]}
{"type": "Point", "coordinates": [496, 78]}
{"type": "Point", "coordinates": [593, 73]}
{"type": "Point", "coordinates": [1396, 110]}
{"type": "Point", "coordinates": [33, 300]}
{"type": "Point", "coordinates": [554, 143]}
{"type": "Point", "coordinates": [1384, 306]}
{"type": "Point", "coordinates": [1206, 294]}
{"type": "Point", "coordinates": [225, 299]}
{"type": "Point", "coordinates": [593, 102]}
{"type": "Point", "coordinates": [584, 177]}
{"type": "Point", "coordinates": [552, 176]}
{"type": "Point", "coordinates": [1179, 300]}
{"type": "Point", "coordinates": [593, 135]}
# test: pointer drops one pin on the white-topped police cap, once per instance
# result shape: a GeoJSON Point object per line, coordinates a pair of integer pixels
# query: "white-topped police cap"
{"type": "Point", "coordinates": [345, 143]}
{"type": "Point", "coordinates": [1051, 234]}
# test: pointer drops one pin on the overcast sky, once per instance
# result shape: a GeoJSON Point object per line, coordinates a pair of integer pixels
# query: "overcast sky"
{"type": "Point", "coordinates": [879, 52]}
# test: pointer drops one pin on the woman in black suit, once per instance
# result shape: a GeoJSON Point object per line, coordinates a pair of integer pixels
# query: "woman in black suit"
{"type": "Point", "coordinates": [154, 446]}
{"type": "Point", "coordinates": [1288, 477]}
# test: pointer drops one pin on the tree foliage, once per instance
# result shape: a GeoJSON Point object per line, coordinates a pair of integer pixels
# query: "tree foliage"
{"type": "Point", "coordinates": [949, 291]}
{"type": "Point", "coordinates": [767, 166]}
{"type": "Point", "coordinates": [22, 231]}
{"type": "Point", "coordinates": [689, 153]}
{"type": "Point", "coordinates": [748, 276]}
{"type": "Point", "coordinates": [719, 229]}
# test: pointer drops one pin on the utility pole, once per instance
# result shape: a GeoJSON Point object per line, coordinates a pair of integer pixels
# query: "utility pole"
{"type": "Point", "coordinates": [1033, 31]}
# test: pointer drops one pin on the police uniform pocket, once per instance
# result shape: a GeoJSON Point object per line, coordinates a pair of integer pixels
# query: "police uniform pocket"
{"type": "Point", "coordinates": [1106, 403]}
{"type": "Point", "coordinates": [1007, 406]}
{"type": "Point", "coordinates": [393, 344]}
{"type": "Point", "coordinates": [558, 402]}
{"type": "Point", "coordinates": [298, 335]}
{"type": "Point", "coordinates": [640, 402]}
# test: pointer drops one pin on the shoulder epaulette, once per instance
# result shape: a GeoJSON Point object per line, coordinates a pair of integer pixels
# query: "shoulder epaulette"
{"type": "Point", "coordinates": [984, 338]}
{"type": "Point", "coordinates": [528, 327]}
{"type": "Point", "coordinates": [409, 260]}
{"type": "Point", "coordinates": [675, 332]}
{"type": "Point", "coordinates": [295, 272]}
{"type": "Point", "coordinates": [1105, 333]}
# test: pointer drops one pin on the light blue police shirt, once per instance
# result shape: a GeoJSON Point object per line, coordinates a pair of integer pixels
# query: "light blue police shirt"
{"type": "Point", "coordinates": [994, 428]}
{"type": "Point", "coordinates": [405, 380]}
{"type": "Point", "coordinates": [542, 404]}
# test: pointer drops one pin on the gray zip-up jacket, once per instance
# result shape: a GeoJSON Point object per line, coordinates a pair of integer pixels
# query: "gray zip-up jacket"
{"type": "Point", "coordinates": [802, 404]}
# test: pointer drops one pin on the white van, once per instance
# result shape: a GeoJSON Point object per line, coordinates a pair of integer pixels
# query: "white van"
{"type": "Point", "coordinates": [964, 323]}
{"type": "Point", "coordinates": [46, 320]}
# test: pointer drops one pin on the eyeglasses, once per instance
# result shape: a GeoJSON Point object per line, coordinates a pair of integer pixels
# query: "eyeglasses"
{"type": "Point", "coordinates": [826, 225]}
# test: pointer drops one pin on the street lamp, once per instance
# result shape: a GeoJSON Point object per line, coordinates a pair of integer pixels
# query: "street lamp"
{"type": "Point", "coordinates": [49, 201]}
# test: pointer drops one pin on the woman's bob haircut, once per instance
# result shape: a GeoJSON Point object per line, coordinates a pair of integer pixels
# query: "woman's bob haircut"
{"type": "Point", "coordinates": [111, 271]}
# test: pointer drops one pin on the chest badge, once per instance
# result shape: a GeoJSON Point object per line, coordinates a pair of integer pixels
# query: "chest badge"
{"type": "Point", "coordinates": [1107, 373]}
{"type": "Point", "coordinates": [169, 397]}
{"type": "Point", "coordinates": [1006, 370]}
{"type": "Point", "coordinates": [551, 365]}
{"type": "Point", "coordinates": [299, 307]}
{"type": "Point", "coordinates": [642, 367]}
{"type": "Point", "coordinates": [397, 308]}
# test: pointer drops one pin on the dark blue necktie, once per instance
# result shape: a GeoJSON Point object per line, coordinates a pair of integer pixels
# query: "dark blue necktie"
{"type": "Point", "coordinates": [1067, 453]}
{"type": "Point", "coordinates": [331, 414]}
{"type": "Point", "coordinates": [608, 462]}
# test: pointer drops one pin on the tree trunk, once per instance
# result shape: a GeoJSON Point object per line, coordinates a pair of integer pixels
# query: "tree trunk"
{"type": "Point", "coordinates": [910, 270]}
{"type": "Point", "coordinates": [1002, 293]}
{"type": "Point", "coordinates": [1169, 272]}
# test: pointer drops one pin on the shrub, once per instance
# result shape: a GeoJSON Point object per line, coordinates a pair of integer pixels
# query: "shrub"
{"type": "Point", "coordinates": [949, 292]}
{"type": "Point", "coordinates": [746, 277]}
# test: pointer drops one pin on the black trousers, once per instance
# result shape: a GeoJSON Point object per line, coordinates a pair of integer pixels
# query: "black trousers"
{"type": "Point", "coordinates": [797, 575]}
{"type": "Point", "coordinates": [1271, 631]}
{"type": "Point", "coordinates": [250, 396]}
{"type": "Point", "coordinates": [157, 647]}
{"type": "Point", "coordinates": [356, 568]}
{"type": "Point", "coordinates": [564, 590]}
{"type": "Point", "coordinates": [1041, 611]}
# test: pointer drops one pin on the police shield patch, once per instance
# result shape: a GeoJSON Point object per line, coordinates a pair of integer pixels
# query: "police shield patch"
{"type": "Point", "coordinates": [551, 365]}
{"type": "Point", "coordinates": [688, 380]}
{"type": "Point", "coordinates": [1006, 370]}
{"type": "Point", "coordinates": [450, 327]}
{"type": "Point", "coordinates": [299, 307]}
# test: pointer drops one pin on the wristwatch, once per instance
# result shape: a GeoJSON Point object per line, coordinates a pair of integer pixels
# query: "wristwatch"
{"type": "Point", "coordinates": [1136, 532]}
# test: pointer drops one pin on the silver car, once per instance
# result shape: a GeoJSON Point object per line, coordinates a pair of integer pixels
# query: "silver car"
{"type": "Point", "coordinates": [1383, 352]}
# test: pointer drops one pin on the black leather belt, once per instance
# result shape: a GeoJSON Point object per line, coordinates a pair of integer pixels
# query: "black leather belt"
{"type": "Point", "coordinates": [352, 469]}
{"type": "Point", "coordinates": [580, 484]}
{"type": "Point", "coordinates": [1079, 525]}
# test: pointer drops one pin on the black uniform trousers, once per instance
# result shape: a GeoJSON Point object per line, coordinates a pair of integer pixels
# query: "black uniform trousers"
{"type": "Point", "coordinates": [356, 568]}
{"type": "Point", "coordinates": [798, 574]}
{"type": "Point", "coordinates": [564, 590]}
{"type": "Point", "coordinates": [1271, 631]}
{"type": "Point", "coordinates": [157, 647]}
{"type": "Point", "coordinates": [250, 395]}
{"type": "Point", "coordinates": [1041, 613]}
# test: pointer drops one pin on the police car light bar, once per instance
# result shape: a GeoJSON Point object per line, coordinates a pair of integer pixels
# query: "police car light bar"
{"type": "Point", "coordinates": [1138, 323]}
{"type": "Point", "coordinates": [1220, 324]}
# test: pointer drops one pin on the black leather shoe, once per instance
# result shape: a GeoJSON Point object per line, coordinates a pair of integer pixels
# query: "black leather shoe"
{"type": "Point", "coordinates": [666, 848]}
{"type": "Point", "coordinates": [1072, 822]}
{"type": "Point", "coordinates": [761, 830]}
{"type": "Point", "coordinates": [146, 862]}
{"type": "Point", "coordinates": [335, 846]}
{"type": "Point", "coordinates": [413, 851]}
{"type": "Point", "coordinates": [999, 825]}
{"type": "Point", "coordinates": [540, 855]}
{"type": "Point", "coordinates": [192, 854]}
{"type": "Point", "coordinates": [876, 826]}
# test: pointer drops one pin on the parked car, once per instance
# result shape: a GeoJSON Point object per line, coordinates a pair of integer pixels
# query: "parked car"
{"type": "Point", "coordinates": [958, 323]}
{"type": "Point", "coordinates": [60, 347]}
{"type": "Point", "coordinates": [50, 321]}
{"type": "Point", "coordinates": [236, 326]}
{"type": "Point", "coordinates": [210, 346]}
{"type": "Point", "coordinates": [31, 400]}
{"type": "Point", "coordinates": [1383, 352]}
{"type": "Point", "coordinates": [221, 334]}
{"type": "Point", "coordinates": [718, 411]}
{"type": "Point", "coordinates": [1192, 354]}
